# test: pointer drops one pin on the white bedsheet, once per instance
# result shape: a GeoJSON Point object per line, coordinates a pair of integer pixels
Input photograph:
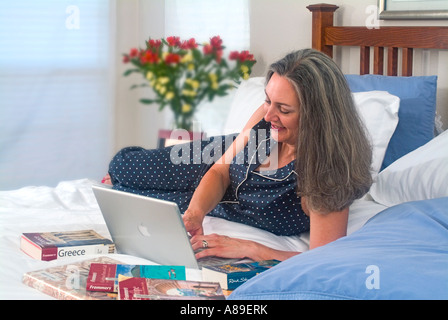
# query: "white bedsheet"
{"type": "Point", "coordinates": [72, 206]}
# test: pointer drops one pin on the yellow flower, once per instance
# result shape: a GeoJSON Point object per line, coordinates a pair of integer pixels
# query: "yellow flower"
{"type": "Point", "coordinates": [214, 81]}
{"type": "Point", "coordinates": [189, 93]}
{"type": "Point", "coordinates": [213, 77]}
{"type": "Point", "coordinates": [186, 108]}
{"type": "Point", "coordinates": [169, 95]}
{"type": "Point", "coordinates": [193, 83]}
{"type": "Point", "coordinates": [187, 58]}
{"type": "Point", "coordinates": [190, 67]}
{"type": "Point", "coordinates": [160, 88]}
{"type": "Point", "coordinates": [246, 76]}
{"type": "Point", "coordinates": [244, 69]}
{"type": "Point", "coordinates": [149, 75]}
{"type": "Point", "coordinates": [163, 80]}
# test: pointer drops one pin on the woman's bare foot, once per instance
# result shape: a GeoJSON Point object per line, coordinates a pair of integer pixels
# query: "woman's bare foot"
{"type": "Point", "coordinates": [107, 180]}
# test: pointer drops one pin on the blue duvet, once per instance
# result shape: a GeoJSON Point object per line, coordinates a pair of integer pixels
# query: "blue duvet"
{"type": "Point", "coordinates": [400, 253]}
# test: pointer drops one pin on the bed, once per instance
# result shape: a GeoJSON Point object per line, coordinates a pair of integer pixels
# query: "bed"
{"type": "Point", "coordinates": [402, 251]}
{"type": "Point", "coordinates": [397, 241]}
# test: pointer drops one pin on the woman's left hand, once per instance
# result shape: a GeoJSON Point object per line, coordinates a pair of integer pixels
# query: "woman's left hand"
{"type": "Point", "coordinates": [227, 247]}
{"type": "Point", "coordinates": [223, 246]}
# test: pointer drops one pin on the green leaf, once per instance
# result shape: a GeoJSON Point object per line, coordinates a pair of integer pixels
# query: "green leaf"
{"type": "Point", "coordinates": [224, 63]}
{"type": "Point", "coordinates": [147, 101]}
{"type": "Point", "coordinates": [196, 55]}
{"type": "Point", "coordinates": [135, 86]}
{"type": "Point", "coordinates": [128, 72]}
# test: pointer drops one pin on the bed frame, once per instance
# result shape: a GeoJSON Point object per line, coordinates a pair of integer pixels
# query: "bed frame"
{"type": "Point", "coordinates": [395, 39]}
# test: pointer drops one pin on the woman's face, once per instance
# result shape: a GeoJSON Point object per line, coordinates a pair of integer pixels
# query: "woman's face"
{"type": "Point", "coordinates": [282, 110]}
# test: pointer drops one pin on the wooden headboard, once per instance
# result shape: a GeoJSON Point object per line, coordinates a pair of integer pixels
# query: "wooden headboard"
{"type": "Point", "coordinates": [394, 39]}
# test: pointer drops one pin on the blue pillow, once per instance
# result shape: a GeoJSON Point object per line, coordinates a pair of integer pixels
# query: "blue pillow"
{"type": "Point", "coordinates": [401, 253]}
{"type": "Point", "coordinates": [416, 114]}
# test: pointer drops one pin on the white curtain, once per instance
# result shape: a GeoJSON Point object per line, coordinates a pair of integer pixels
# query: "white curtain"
{"type": "Point", "coordinates": [203, 19]}
{"type": "Point", "coordinates": [55, 97]}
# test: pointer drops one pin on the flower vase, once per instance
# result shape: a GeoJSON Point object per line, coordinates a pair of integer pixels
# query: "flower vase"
{"type": "Point", "coordinates": [182, 131]}
{"type": "Point", "coordinates": [183, 121]}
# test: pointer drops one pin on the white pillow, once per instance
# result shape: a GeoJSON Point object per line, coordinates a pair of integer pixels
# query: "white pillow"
{"type": "Point", "coordinates": [248, 97]}
{"type": "Point", "coordinates": [378, 109]}
{"type": "Point", "coordinates": [421, 174]}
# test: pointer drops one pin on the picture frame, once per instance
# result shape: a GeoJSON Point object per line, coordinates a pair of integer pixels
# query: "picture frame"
{"type": "Point", "coordinates": [413, 9]}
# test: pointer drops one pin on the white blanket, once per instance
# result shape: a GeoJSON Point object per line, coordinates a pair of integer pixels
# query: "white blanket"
{"type": "Point", "coordinates": [72, 206]}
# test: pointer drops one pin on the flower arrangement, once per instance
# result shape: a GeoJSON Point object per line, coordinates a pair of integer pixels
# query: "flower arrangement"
{"type": "Point", "coordinates": [182, 75]}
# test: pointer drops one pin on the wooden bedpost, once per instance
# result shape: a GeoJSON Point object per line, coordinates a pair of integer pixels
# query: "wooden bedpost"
{"type": "Point", "coordinates": [322, 18]}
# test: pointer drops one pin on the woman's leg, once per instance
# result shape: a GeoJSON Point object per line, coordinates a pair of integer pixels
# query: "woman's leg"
{"type": "Point", "coordinates": [176, 168]}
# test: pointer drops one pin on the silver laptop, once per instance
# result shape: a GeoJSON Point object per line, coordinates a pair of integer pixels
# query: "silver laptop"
{"type": "Point", "coordinates": [148, 228]}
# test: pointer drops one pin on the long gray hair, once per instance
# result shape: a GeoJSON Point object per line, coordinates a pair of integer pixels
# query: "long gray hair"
{"type": "Point", "coordinates": [333, 153]}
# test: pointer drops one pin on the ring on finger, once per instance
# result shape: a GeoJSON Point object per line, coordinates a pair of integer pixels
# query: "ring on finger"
{"type": "Point", "coordinates": [204, 244]}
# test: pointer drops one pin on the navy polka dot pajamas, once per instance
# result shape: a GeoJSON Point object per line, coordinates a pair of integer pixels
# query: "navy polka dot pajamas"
{"type": "Point", "coordinates": [262, 199]}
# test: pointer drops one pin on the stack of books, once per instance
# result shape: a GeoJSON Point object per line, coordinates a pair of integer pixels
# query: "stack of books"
{"type": "Point", "coordinates": [102, 277]}
{"type": "Point", "coordinates": [105, 278]}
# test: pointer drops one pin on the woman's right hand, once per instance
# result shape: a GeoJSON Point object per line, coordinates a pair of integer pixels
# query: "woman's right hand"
{"type": "Point", "coordinates": [193, 222]}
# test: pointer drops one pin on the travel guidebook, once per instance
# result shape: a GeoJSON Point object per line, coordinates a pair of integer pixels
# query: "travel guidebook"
{"type": "Point", "coordinates": [231, 276]}
{"type": "Point", "coordinates": [68, 282]}
{"type": "Point", "coordinates": [162, 289]}
{"type": "Point", "coordinates": [104, 276]}
{"type": "Point", "coordinates": [48, 246]}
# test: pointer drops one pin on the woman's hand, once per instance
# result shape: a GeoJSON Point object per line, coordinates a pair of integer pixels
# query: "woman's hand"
{"type": "Point", "coordinates": [193, 222]}
{"type": "Point", "coordinates": [227, 247]}
{"type": "Point", "coordinates": [220, 246]}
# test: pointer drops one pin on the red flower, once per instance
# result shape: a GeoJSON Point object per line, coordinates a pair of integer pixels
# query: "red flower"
{"type": "Point", "coordinates": [242, 56]}
{"type": "Point", "coordinates": [215, 47]}
{"type": "Point", "coordinates": [154, 43]}
{"type": "Point", "coordinates": [149, 57]}
{"type": "Point", "coordinates": [234, 55]}
{"type": "Point", "coordinates": [246, 56]}
{"type": "Point", "coordinates": [208, 49]}
{"type": "Point", "coordinates": [133, 53]}
{"type": "Point", "coordinates": [190, 44]}
{"type": "Point", "coordinates": [173, 41]}
{"type": "Point", "coordinates": [218, 55]}
{"type": "Point", "coordinates": [172, 58]}
{"type": "Point", "coordinates": [216, 42]}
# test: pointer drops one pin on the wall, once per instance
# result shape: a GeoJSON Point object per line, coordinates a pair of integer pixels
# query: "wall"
{"type": "Point", "coordinates": [135, 123]}
{"type": "Point", "coordinates": [277, 27]}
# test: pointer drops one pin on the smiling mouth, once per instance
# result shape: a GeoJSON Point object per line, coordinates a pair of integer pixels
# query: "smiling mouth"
{"type": "Point", "coordinates": [273, 126]}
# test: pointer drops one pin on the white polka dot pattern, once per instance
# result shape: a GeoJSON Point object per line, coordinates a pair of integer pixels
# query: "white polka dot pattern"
{"type": "Point", "coordinates": [265, 199]}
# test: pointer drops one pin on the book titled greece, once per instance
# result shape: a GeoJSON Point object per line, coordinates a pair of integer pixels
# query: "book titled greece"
{"type": "Point", "coordinates": [48, 246]}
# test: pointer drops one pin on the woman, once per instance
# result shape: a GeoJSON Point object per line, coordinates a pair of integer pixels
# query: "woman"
{"type": "Point", "coordinates": [316, 145]}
